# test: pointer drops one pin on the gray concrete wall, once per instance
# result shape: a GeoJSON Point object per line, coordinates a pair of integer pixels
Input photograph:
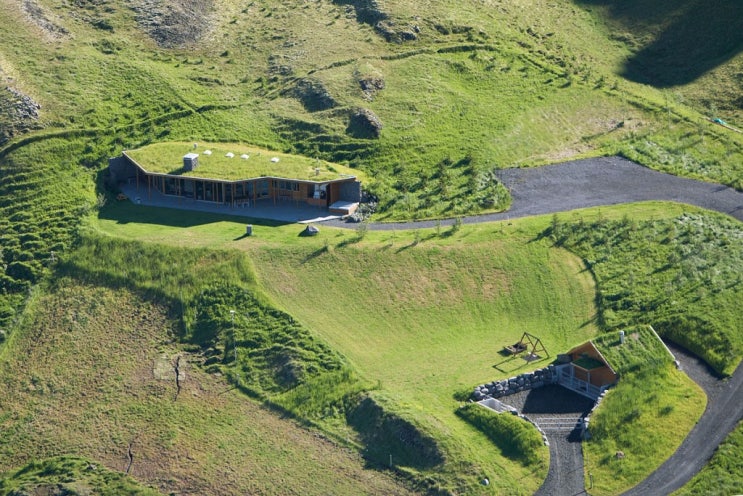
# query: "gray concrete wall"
{"type": "Point", "coordinates": [120, 169]}
{"type": "Point", "coordinates": [350, 191]}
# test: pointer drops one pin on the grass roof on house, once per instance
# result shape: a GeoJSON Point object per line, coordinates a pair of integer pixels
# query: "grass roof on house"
{"type": "Point", "coordinates": [641, 348]}
{"type": "Point", "coordinates": [167, 158]}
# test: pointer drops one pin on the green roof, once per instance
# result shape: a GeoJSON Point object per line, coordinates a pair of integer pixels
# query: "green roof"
{"type": "Point", "coordinates": [641, 349]}
{"type": "Point", "coordinates": [588, 363]}
{"type": "Point", "coordinates": [213, 162]}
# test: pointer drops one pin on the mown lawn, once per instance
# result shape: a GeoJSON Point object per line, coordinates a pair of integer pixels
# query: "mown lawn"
{"type": "Point", "coordinates": [428, 321]}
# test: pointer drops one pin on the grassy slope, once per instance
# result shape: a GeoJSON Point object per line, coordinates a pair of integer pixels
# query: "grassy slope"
{"type": "Point", "coordinates": [91, 372]}
{"type": "Point", "coordinates": [426, 321]}
{"type": "Point", "coordinates": [70, 475]}
{"type": "Point", "coordinates": [454, 269]}
{"type": "Point", "coordinates": [722, 475]}
{"type": "Point", "coordinates": [681, 275]}
{"type": "Point", "coordinates": [132, 92]}
{"type": "Point", "coordinates": [646, 416]}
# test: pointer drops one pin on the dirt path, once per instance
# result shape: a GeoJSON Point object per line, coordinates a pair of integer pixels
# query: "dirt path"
{"type": "Point", "coordinates": [591, 183]}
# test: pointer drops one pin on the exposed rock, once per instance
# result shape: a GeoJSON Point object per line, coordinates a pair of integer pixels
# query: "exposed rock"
{"type": "Point", "coordinates": [36, 14]}
{"type": "Point", "coordinates": [311, 230]}
{"type": "Point", "coordinates": [176, 23]}
{"type": "Point", "coordinates": [388, 29]}
{"type": "Point", "coordinates": [278, 65]}
{"type": "Point", "coordinates": [505, 387]}
{"type": "Point", "coordinates": [370, 85]}
{"type": "Point", "coordinates": [18, 113]}
{"type": "Point", "coordinates": [313, 95]}
{"type": "Point", "coordinates": [364, 124]}
{"type": "Point", "coordinates": [367, 11]}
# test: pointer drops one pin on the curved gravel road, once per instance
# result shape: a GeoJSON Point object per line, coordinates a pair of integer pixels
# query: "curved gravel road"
{"type": "Point", "coordinates": [592, 182]}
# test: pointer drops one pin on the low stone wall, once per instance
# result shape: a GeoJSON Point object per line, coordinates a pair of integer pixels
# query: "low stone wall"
{"type": "Point", "coordinates": [512, 385]}
{"type": "Point", "coordinates": [584, 434]}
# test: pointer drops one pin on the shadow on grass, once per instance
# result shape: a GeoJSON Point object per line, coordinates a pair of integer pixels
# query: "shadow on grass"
{"type": "Point", "coordinates": [319, 252]}
{"type": "Point", "coordinates": [689, 38]}
{"type": "Point", "coordinates": [125, 212]}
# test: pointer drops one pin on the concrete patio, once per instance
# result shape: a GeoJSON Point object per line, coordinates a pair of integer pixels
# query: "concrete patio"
{"type": "Point", "coordinates": [284, 211]}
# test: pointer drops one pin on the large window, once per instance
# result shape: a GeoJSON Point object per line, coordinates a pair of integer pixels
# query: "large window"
{"type": "Point", "coordinates": [171, 186]}
{"type": "Point", "coordinates": [188, 188]}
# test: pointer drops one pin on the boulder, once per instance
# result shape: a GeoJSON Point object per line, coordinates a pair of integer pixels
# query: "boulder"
{"type": "Point", "coordinates": [311, 230]}
{"type": "Point", "coordinates": [364, 124]}
{"type": "Point", "coordinates": [313, 95]}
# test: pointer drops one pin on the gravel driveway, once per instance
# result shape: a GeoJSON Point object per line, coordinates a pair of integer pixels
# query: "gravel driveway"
{"type": "Point", "coordinates": [558, 412]}
{"type": "Point", "coordinates": [591, 183]}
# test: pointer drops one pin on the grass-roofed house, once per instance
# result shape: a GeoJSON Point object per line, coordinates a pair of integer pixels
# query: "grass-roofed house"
{"type": "Point", "coordinates": [237, 175]}
{"type": "Point", "coordinates": [587, 371]}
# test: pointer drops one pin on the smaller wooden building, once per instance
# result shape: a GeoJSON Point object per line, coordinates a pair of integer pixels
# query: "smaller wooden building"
{"type": "Point", "coordinates": [587, 371]}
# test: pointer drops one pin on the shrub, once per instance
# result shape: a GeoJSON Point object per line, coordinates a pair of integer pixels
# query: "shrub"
{"type": "Point", "coordinates": [515, 437]}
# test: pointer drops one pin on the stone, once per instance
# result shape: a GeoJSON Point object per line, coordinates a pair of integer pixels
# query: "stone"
{"type": "Point", "coordinates": [364, 124]}
{"type": "Point", "coordinates": [313, 95]}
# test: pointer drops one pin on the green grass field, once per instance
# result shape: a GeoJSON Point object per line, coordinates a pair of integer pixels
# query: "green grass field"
{"type": "Point", "coordinates": [721, 475]}
{"type": "Point", "coordinates": [91, 372]}
{"type": "Point", "coordinates": [460, 92]}
{"type": "Point", "coordinates": [423, 313]}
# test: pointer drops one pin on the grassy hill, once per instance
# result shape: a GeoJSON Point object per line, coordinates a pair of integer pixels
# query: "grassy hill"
{"type": "Point", "coordinates": [426, 100]}
{"type": "Point", "coordinates": [92, 371]}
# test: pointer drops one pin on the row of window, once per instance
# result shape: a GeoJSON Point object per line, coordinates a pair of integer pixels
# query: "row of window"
{"type": "Point", "coordinates": [285, 185]}
{"type": "Point", "coordinates": [213, 191]}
